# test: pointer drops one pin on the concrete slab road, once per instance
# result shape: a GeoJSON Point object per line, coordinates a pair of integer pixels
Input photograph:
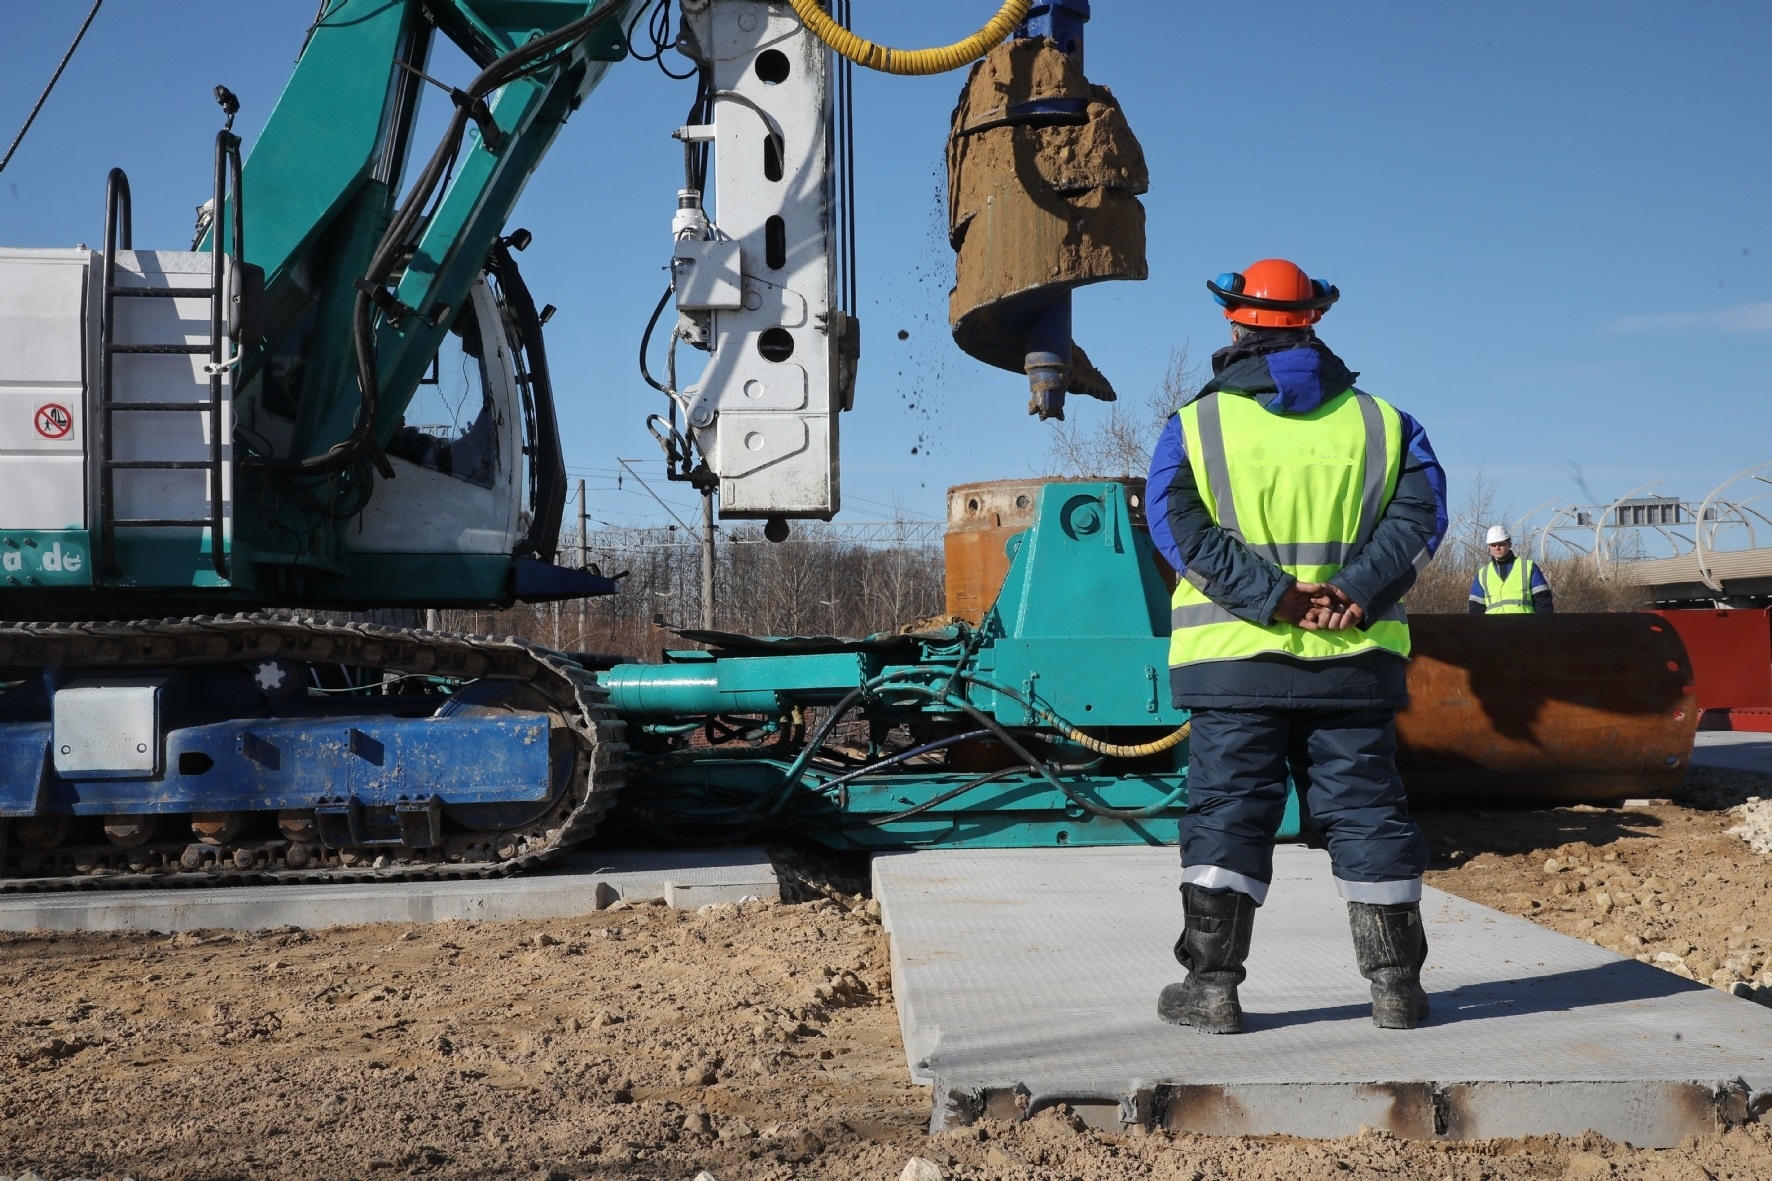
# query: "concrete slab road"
{"type": "Point", "coordinates": [1025, 978]}
{"type": "Point", "coordinates": [1733, 750]}
{"type": "Point", "coordinates": [578, 883]}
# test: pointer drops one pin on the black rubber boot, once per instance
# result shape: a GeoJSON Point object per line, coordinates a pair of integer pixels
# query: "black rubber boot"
{"type": "Point", "coordinates": [1391, 945]}
{"type": "Point", "coordinates": [1213, 945]}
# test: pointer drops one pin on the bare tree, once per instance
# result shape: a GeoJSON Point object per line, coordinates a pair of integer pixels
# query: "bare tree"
{"type": "Point", "coordinates": [813, 584]}
{"type": "Point", "coordinates": [1118, 441]}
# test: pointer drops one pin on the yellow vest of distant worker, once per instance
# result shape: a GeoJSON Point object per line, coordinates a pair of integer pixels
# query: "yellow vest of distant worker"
{"type": "Point", "coordinates": [1511, 595]}
{"type": "Point", "coordinates": [1304, 491]}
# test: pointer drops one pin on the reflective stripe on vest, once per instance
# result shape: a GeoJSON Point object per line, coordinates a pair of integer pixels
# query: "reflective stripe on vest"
{"type": "Point", "coordinates": [1303, 491]}
{"type": "Point", "coordinates": [1511, 595]}
{"type": "Point", "coordinates": [1199, 614]}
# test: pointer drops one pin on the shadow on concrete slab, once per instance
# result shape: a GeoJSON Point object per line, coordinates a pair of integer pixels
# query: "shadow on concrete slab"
{"type": "Point", "coordinates": [1557, 992]}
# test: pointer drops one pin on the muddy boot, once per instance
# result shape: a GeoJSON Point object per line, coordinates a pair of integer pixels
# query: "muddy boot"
{"type": "Point", "coordinates": [1213, 945]}
{"type": "Point", "coordinates": [1391, 945]}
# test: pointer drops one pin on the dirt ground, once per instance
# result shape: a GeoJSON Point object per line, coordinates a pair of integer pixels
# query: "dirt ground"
{"type": "Point", "coordinates": [1666, 884]}
{"type": "Point", "coordinates": [756, 1042]}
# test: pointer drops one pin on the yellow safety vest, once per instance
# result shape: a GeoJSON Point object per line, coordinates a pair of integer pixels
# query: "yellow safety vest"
{"type": "Point", "coordinates": [1511, 595]}
{"type": "Point", "coordinates": [1304, 491]}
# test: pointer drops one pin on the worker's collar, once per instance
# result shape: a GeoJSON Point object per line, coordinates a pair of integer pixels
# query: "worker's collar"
{"type": "Point", "coordinates": [1257, 344]}
{"type": "Point", "coordinates": [1287, 371]}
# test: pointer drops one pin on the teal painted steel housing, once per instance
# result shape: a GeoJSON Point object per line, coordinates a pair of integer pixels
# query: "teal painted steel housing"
{"type": "Point", "coordinates": [1078, 637]}
{"type": "Point", "coordinates": [318, 191]}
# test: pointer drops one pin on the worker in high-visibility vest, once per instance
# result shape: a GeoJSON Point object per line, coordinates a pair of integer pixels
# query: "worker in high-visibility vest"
{"type": "Point", "coordinates": [1297, 511]}
{"type": "Point", "coordinates": [1509, 585]}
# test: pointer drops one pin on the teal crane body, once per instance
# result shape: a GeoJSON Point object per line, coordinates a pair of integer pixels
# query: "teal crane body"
{"type": "Point", "coordinates": [1074, 649]}
{"type": "Point", "coordinates": [330, 274]}
{"type": "Point", "coordinates": [318, 204]}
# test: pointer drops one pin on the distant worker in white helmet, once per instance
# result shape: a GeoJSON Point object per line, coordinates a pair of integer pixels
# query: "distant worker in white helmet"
{"type": "Point", "coordinates": [1508, 584]}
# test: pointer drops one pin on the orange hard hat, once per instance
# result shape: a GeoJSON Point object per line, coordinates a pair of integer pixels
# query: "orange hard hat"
{"type": "Point", "coordinates": [1272, 293]}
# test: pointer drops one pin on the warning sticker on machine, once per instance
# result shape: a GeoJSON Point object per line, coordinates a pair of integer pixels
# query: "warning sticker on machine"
{"type": "Point", "coordinates": [54, 420]}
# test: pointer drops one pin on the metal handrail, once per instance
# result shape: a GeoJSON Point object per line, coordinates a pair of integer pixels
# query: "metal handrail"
{"type": "Point", "coordinates": [119, 234]}
{"type": "Point", "coordinates": [227, 168]}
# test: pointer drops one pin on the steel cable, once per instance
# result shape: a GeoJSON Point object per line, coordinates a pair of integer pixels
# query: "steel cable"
{"type": "Point", "coordinates": [53, 79]}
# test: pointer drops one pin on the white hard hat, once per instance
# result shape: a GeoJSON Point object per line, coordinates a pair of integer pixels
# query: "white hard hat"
{"type": "Point", "coordinates": [1497, 533]}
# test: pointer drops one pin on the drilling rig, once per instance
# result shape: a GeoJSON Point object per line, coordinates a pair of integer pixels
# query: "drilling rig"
{"type": "Point", "coordinates": [209, 454]}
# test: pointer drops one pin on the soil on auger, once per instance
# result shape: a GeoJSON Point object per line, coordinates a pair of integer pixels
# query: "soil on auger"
{"type": "Point", "coordinates": [54, 853]}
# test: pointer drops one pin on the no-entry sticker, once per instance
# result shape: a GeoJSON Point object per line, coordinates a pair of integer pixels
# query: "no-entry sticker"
{"type": "Point", "coordinates": [54, 420]}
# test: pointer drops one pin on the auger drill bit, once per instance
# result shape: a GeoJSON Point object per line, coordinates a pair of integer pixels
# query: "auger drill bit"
{"type": "Point", "coordinates": [1043, 182]}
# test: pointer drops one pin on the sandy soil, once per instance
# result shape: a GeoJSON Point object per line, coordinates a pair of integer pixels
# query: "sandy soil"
{"type": "Point", "coordinates": [756, 1042]}
{"type": "Point", "coordinates": [1667, 884]}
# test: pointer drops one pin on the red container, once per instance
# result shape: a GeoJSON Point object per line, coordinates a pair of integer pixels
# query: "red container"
{"type": "Point", "coordinates": [1731, 653]}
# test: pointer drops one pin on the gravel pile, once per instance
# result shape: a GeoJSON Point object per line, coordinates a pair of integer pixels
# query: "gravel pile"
{"type": "Point", "coordinates": [1666, 885]}
{"type": "Point", "coordinates": [1756, 824]}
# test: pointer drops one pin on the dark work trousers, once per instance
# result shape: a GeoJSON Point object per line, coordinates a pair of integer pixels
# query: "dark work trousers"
{"type": "Point", "coordinates": [1344, 763]}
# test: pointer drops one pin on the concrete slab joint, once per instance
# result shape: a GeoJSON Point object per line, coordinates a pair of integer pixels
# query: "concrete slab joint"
{"type": "Point", "coordinates": [1027, 979]}
{"type": "Point", "coordinates": [578, 883]}
{"type": "Point", "coordinates": [1414, 1111]}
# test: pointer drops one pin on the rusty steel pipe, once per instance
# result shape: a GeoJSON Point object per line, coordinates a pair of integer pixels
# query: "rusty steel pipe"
{"type": "Point", "coordinates": [1543, 708]}
{"type": "Point", "coordinates": [983, 517]}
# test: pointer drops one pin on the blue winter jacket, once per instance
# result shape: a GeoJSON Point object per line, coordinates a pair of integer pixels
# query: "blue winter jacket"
{"type": "Point", "coordinates": [1292, 373]}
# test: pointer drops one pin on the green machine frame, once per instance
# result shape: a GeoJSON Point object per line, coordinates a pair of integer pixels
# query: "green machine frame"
{"type": "Point", "coordinates": [1048, 724]}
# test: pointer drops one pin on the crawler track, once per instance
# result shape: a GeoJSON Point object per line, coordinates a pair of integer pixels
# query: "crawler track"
{"type": "Point", "coordinates": [569, 689]}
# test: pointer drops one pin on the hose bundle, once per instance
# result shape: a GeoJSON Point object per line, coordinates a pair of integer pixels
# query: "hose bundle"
{"type": "Point", "coordinates": [940, 60]}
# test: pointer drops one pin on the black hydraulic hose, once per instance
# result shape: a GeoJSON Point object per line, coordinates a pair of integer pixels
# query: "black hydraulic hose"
{"type": "Point", "coordinates": [649, 14]}
{"type": "Point", "coordinates": [944, 797]}
{"type": "Point", "coordinates": [1039, 768]}
{"type": "Point", "coordinates": [695, 754]}
{"type": "Point", "coordinates": [393, 242]}
{"type": "Point", "coordinates": [718, 735]}
{"type": "Point", "coordinates": [700, 111]}
{"type": "Point", "coordinates": [496, 74]}
{"type": "Point", "coordinates": [779, 796]}
{"type": "Point", "coordinates": [902, 756]}
{"type": "Point", "coordinates": [646, 339]}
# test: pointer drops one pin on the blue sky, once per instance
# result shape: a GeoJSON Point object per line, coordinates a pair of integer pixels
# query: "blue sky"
{"type": "Point", "coordinates": [1548, 221]}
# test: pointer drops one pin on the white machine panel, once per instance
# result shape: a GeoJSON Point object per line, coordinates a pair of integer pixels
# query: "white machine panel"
{"type": "Point", "coordinates": [44, 313]}
{"type": "Point", "coordinates": [108, 727]}
{"type": "Point", "coordinates": [50, 371]}
{"type": "Point", "coordinates": [709, 276]}
{"type": "Point", "coordinates": [764, 409]}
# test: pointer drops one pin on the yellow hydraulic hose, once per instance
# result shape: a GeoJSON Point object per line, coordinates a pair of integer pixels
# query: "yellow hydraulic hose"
{"type": "Point", "coordinates": [1114, 750]}
{"type": "Point", "coordinates": [863, 52]}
